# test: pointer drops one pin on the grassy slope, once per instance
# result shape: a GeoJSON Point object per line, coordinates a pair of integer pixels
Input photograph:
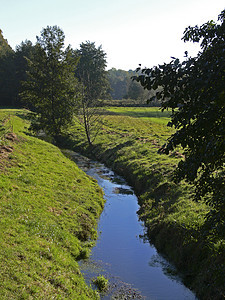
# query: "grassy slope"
{"type": "Point", "coordinates": [48, 213]}
{"type": "Point", "coordinates": [129, 144]}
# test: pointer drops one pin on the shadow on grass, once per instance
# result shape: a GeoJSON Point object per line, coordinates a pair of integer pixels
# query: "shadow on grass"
{"type": "Point", "coordinates": [138, 113]}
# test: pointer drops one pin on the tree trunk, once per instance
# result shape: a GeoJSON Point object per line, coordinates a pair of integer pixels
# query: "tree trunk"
{"type": "Point", "coordinates": [86, 125]}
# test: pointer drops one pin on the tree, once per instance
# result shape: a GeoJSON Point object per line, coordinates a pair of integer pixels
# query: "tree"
{"type": "Point", "coordinates": [123, 87]}
{"type": "Point", "coordinates": [13, 67]}
{"type": "Point", "coordinates": [4, 46]}
{"type": "Point", "coordinates": [119, 81]}
{"type": "Point", "coordinates": [91, 74]}
{"type": "Point", "coordinates": [135, 91]}
{"type": "Point", "coordinates": [195, 90]}
{"type": "Point", "coordinates": [51, 87]}
{"type": "Point", "coordinates": [7, 71]}
{"type": "Point", "coordinates": [23, 53]}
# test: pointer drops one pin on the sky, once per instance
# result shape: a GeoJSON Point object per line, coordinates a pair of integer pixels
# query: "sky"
{"type": "Point", "coordinates": [131, 32]}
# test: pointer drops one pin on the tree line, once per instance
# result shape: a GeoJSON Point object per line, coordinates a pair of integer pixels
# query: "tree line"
{"type": "Point", "coordinates": [123, 87]}
{"type": "Point", "coordinates": [13, 68]}
{"type": "Point", "coordinates": [53, 81]}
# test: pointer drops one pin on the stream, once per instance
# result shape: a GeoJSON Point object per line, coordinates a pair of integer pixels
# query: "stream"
{"type": "Point", "coordinates": [134, 268]}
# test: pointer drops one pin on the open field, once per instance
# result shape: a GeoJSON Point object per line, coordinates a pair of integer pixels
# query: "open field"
{"type": "Point", "coordinates": [151, 113]}
{"type": "Point", "coordinates": [48, 216]}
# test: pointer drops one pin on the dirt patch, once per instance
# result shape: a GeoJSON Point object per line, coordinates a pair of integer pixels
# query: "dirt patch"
{"type": "Point", "coordinates": [5, 149]}
{"type": "Point", "coordinates": [11, 136]}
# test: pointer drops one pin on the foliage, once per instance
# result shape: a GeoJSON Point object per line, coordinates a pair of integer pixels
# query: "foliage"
{"type": "Point", "coordinates": [48, 218]}
{"type": "Point", "coordinates": [123, 87]}
{"type": "Point", "coordinates": [101, 282]}
{"type": "Point", "coordinates": [51, 88]}
{"type": "Point", "coordinates": [23, 53]}
{"type": "Point", "coordinates": [13, 67]}
{"type": "Point", "coordinates": [196, 87]}
{"type": "Point", "coordinates": [135, 91]}
{"type": "Point", "coordinates": [118, 83]}
{"type": "Point", "coordinates": [4, 46]}
{"type": "Point", "coordinates": [91, 71]}
{"type": "Point", "coordinates": [7, 73]}
{"type": "Point", "coordinates": [92, 75]}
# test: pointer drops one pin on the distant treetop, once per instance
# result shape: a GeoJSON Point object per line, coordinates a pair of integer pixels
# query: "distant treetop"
{"type": "Point", "coordinates": [4, 46]}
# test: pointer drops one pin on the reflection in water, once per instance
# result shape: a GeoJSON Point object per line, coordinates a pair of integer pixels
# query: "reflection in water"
{"type": "Point", "coordinates": [133, 266]}
{"type": "Point", "coordinates": [120, 190]}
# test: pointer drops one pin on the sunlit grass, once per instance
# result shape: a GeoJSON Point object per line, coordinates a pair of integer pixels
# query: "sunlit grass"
{"type": "Point", "coordinates": [129, 142]}
{"type": "Point", "coordinates": [141, 112]}
{"type": "Point", "coordinates": [153, 114]}
{"type": "Point", "coordinates": [48, 216]}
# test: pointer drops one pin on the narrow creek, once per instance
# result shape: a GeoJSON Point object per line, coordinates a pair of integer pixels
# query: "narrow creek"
{"type": "Point", "coordinates": [134, 268]}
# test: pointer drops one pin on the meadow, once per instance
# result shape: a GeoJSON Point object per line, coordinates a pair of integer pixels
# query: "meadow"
{"type": "Point", "coordinates": [49, 211]}
{"type": "Point", "coordinates": [151, 113]}
{"type": "Point", "coordinates": [129, 142]}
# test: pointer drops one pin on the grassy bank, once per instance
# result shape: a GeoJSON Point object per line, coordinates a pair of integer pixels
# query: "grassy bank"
{"type": "Point", "coordinates": [48, 216]}
{"type": "Point", "coordinates": [129, 142]}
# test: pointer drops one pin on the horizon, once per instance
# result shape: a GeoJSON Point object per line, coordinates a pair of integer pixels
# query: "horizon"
{"type": "Point", "coordinates": [146, 33]}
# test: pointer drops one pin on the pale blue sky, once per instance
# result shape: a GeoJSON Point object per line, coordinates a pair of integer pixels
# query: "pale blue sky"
{"type": "Point", "coordinates": [130, 31]}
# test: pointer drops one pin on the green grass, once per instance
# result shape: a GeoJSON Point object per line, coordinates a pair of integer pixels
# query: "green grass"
{"type": "Point", "coordinates": [49, 208]}
{"type": "Point", "coordinates": [48, 216]}
{"type": "Point", "coordinates": [130, 145]}
{"type": "Point", "coordinates": [153, 114]}
{"type": "Point", "coordinates": [128, 142]}
{"type": "Point", "coordinates": [101, 283]}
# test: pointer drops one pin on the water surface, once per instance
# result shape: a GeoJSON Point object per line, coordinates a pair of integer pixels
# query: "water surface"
{"type": "Point", "coordinates": [133, 266]}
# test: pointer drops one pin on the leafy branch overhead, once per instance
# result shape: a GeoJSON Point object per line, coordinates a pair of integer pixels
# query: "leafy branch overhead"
{"type": "Point", "coordinates": [195, 90]}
